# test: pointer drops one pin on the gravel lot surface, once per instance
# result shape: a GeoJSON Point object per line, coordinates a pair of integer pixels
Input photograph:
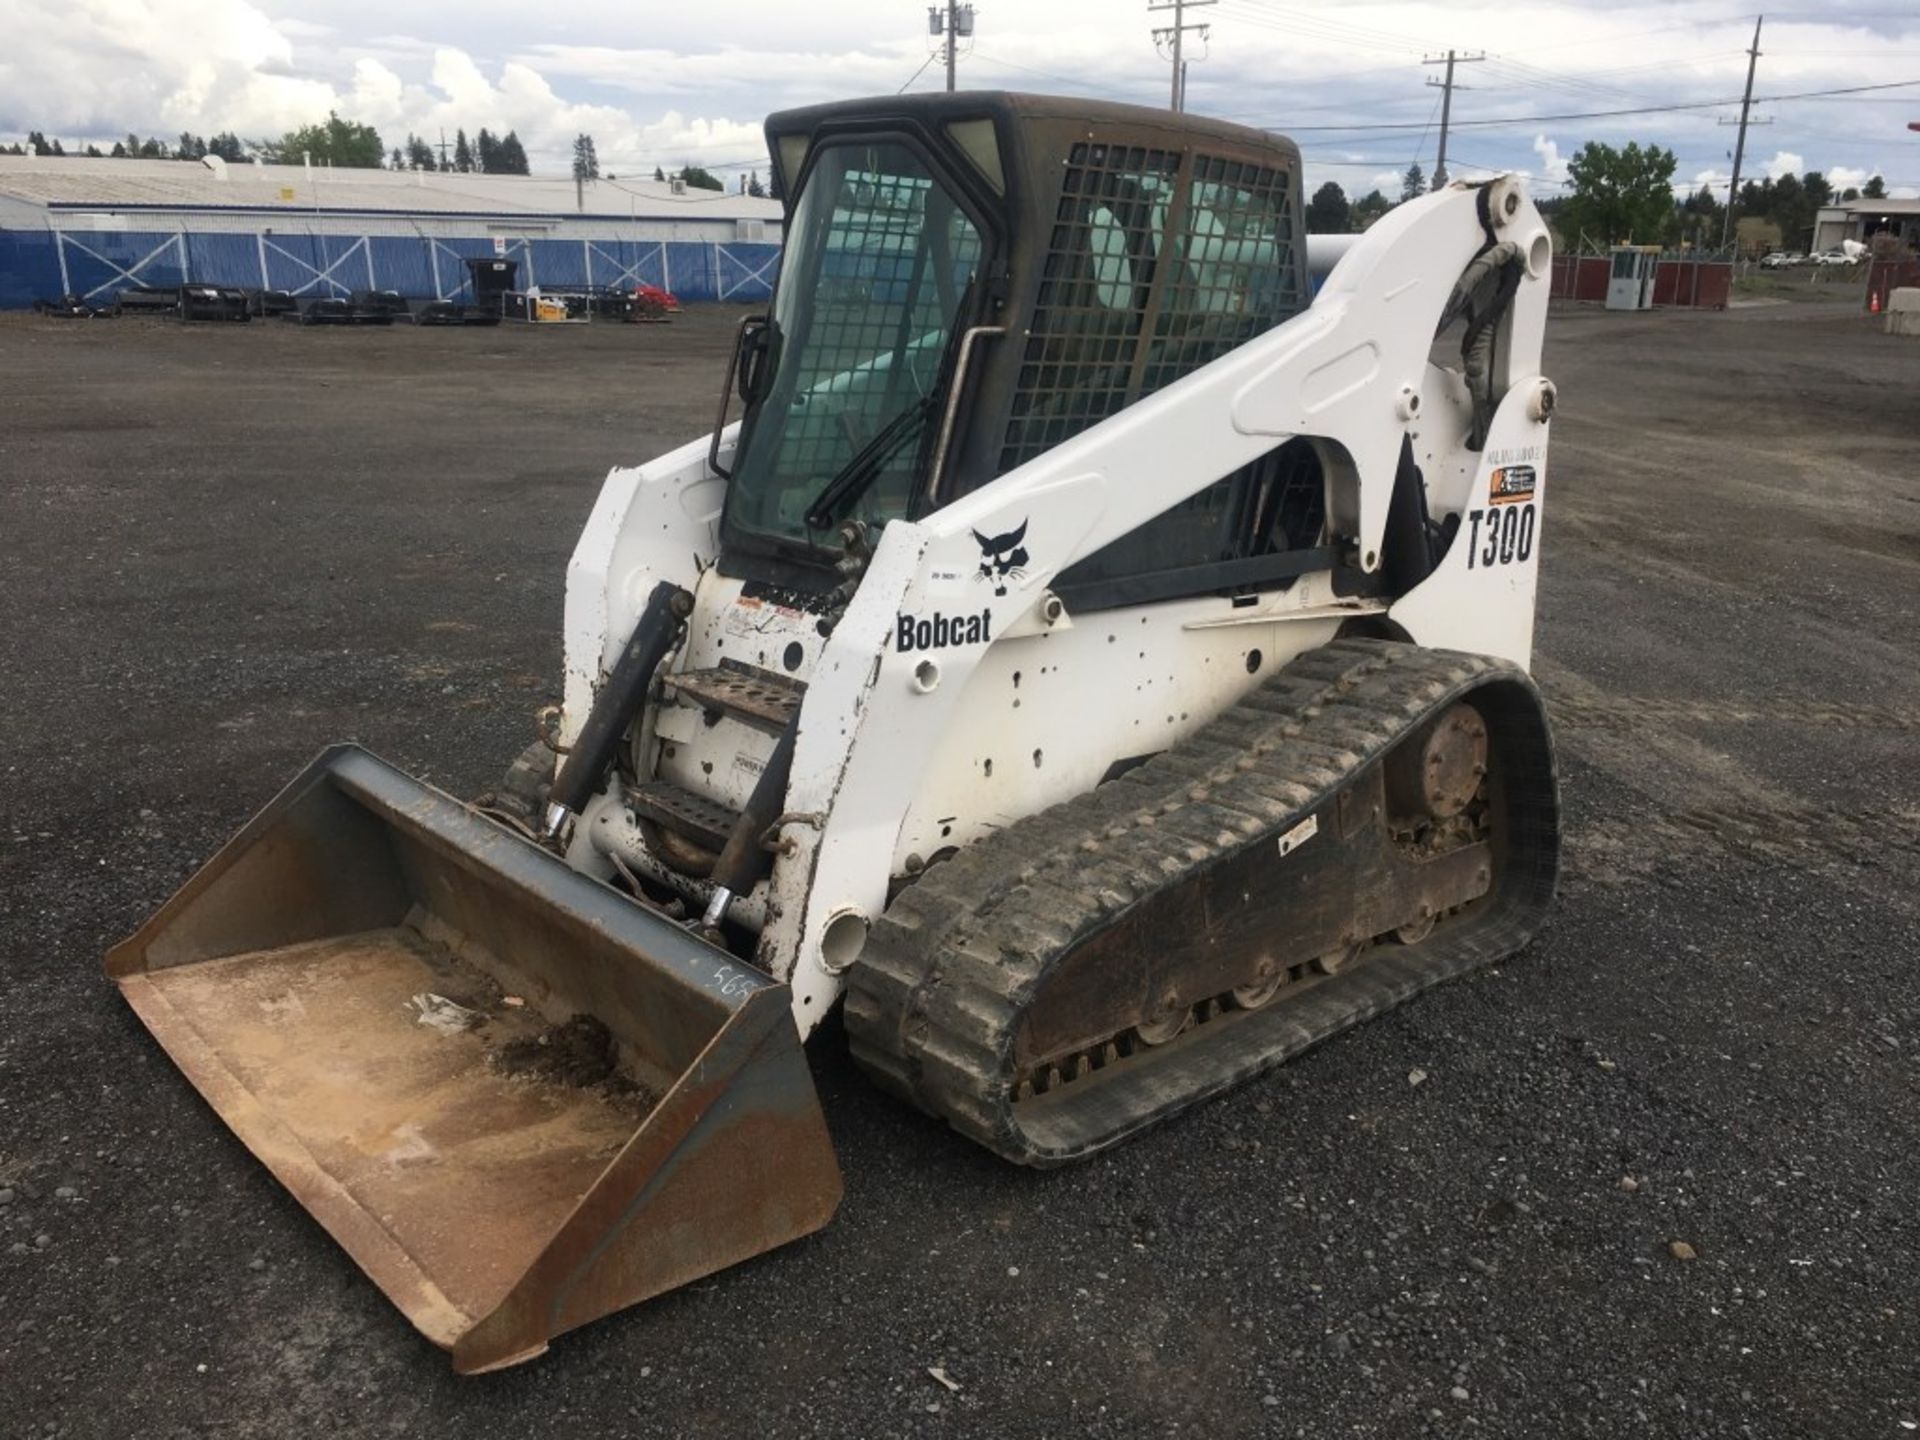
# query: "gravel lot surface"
{"type": "Point", "coordinates": [224, 547]}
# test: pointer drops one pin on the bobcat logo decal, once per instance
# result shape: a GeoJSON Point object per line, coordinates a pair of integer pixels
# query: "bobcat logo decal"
{"type": "Point", "coordinates": [1001, 557]}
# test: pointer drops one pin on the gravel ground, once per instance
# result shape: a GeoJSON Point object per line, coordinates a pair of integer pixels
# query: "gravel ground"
{"type": "Point", "coordinates": [226, 547]}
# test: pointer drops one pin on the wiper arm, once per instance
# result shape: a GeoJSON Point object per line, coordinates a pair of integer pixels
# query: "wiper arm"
{"type": "Point", "coordinates": [864, 468]}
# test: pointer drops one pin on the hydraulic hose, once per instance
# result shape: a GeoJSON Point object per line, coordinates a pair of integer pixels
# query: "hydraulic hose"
{"type": "Point", "coordinates": [618, 703]}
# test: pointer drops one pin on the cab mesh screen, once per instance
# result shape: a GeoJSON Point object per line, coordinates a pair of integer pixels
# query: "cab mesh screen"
{"type": "Point", "coordinates": [1137, 291]}
{"type": "Point", "coordinates": [1140, 290]}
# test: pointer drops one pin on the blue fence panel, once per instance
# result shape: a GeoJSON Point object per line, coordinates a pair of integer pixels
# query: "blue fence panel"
{"type": "Point", "coordinates": [690, 270]}
{"type": "Point", "coordinates": [102, 263]}
{"type": "Point", "coordinates": [559, 262]}
{"type": "Point", "coordinates": [744, 272]}
{"type": "Point", "coordinates": [451, 256]}
{"type": "Point", "coordinates": [309, 264]}
{"type": "Point", "coordinates": [29, 268]}
{"type": "Point", "coordinates": [405, 263]}
{"type": "Point", "coordinates": [313, 266]}
{"type": "Point", "coordinates": [624, 264]}
{"type": "Point", "coordinates": [223, 259]}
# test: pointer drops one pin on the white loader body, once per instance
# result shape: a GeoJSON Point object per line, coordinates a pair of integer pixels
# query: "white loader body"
{"type": "Point", "coordinates": [952, 699]}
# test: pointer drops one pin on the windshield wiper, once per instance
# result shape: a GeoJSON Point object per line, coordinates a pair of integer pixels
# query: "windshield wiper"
{"type": "Point", "coordinates": [864, 468]}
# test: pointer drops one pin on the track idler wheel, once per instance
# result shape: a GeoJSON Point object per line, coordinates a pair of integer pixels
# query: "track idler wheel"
{"type": "Point", "coordinates": [1168, 1019]}
{"type": "Point", "coordinates": [1334, 961]}
{"type": "Point", "coordinates": [1269, 979]}
{"type": "Point", "coordinates": [1415, 931]}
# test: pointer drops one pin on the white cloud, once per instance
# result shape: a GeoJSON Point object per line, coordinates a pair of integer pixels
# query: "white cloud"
{"type": "Point", "coordinates": [684, 82]}
{"type": "Point", "coordinates": [1847, 177]}
{"type": "Point", "coordinates": [1551, 165]}
{"type": "Point", "coordinates": [1785, 162]}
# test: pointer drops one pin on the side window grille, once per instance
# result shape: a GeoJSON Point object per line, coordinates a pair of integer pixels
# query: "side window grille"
{"type": "Point", "coordinates": [1234, 273]}
{"type": "Point", "coordinates": [1108, 233]}
{"type": "Point", "coordinates": [1139, 289]}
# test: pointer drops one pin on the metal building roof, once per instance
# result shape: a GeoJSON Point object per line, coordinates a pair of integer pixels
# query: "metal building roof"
{"type": "Point", "coordinates": [66, 182]}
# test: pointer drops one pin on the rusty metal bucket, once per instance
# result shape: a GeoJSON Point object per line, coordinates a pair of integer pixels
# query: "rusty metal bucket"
{"type": "Point", "coordinates": [518, 1099]}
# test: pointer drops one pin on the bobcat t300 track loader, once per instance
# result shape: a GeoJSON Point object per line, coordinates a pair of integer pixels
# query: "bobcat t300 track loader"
{"type": "Point", "coordinates": [1093, 659]}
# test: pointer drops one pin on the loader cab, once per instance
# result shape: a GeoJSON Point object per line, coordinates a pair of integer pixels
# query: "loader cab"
{"type": "Point", "coordinates": [971, 279]}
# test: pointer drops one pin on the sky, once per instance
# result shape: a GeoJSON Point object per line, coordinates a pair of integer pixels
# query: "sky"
{"type": "Point", "coordinates": [658, 84]}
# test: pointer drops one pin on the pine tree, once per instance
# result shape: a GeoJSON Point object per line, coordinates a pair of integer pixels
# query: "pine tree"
{"type": "Point", "coordinates": [486, 152]}
{"type": "Point", "coordinates": [754, 187]}
{"type": "Point", "coordinates": [586, 164]}
{"type": "Point", "coordinates": [1414, 184]}
{"type": "Point", "coordinates": [659, 174]}
{"type": "Point", "coordinates": [462, 152]}
{"type": "Point", "coordinates": [420, 154]}
{"type": "Point", "coordinates": [510, 155]}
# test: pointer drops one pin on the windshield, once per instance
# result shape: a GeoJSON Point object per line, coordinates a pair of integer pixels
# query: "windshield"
{"type": "Point", "coordinates": [878, 259]}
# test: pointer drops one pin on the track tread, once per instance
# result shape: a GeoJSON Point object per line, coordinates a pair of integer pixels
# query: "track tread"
{"type": "Point", "coordinates": [933, 1008]}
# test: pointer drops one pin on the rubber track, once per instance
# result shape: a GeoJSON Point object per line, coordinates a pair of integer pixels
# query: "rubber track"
{"type": "Point", "coordinates": [935, 1003]}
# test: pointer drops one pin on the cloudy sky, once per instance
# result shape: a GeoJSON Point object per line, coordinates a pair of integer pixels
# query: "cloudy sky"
{"type": "Point", "coordinates": [668, 83]}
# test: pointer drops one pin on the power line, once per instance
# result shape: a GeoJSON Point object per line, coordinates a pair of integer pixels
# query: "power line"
{"type": "Point", "coordinates": [1304, 28]}
{"type": "Point", "coordinates": [1511, 120]}
{"type": "Point", "coordinates": [916, 74]}
{"type": "Point", "coordinates": [981, 55]}
{"type": "Point", "coordinates": [1299, 22]}
{"type": "Point", "coordinates": [1421, 145]}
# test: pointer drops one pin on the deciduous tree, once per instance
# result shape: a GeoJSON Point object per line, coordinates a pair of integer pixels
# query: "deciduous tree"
{"type": "Point", "coordinates": [1619, 195]}
{"type": "Point", "coordinates": [1328, 213]}
{"type": "Point", "coordinates": [1367, 209]}
{"type": "Point", "coordinates": [344, 144]}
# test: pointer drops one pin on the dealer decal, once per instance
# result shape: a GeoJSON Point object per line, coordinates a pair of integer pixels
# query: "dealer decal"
{"type": "Point", "coordinates": [938, 631]}
{"type": "Point", "coordinates": [1511, 483]}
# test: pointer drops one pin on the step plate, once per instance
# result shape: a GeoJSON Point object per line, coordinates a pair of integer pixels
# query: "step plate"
{"type": "Point", "coordinates": [691, 816]}
{"type": "Point", "coordinates": [756, 697]}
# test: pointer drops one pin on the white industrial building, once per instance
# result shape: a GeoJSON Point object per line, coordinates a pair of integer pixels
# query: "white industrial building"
{"type": "Point", "coordinates": [91, 227]}
{"type": "Point", "coordinates": [1863, 219]}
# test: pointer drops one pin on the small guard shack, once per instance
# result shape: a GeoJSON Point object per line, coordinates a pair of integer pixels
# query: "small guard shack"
{"type": "Point", "coordinates": [1630, 276]}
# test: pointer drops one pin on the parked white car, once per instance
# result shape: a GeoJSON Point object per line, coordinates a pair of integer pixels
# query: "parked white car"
{"type": "Point", "coordinates": [1833, 257]}
{"type": "Point", "coordinates": [1781, 260]}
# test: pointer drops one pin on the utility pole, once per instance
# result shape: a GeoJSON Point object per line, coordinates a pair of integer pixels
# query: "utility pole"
{"type": "Point", "coordinates": [955, 22]}
{"type": "Point", "coordinates": [1740, 143]}
{"type": "Point", "coordinates": [1175, 33]}
{"type": "Point", "coordinates": [1450, 59]}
